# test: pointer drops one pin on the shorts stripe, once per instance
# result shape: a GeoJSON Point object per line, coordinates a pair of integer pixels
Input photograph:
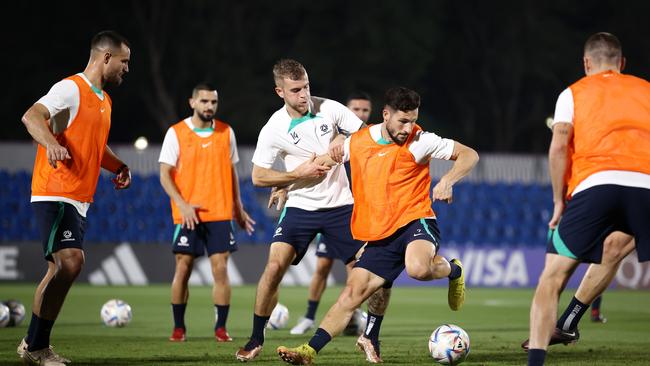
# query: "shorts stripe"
{"type": "Point", "coordinates": [284, 212]}
{"type": "Point", "coordinates": [55, 228]}
{"type": "Point", "coordinates": [559, 245]}
{"type": "Point", "coordinates": [426, 228]}
{"type": "Point", "coordinates": [176, 231]}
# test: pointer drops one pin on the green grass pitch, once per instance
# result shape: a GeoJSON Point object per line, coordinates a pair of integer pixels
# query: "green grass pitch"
{"type": "Point", "coordinates": [496, 320]}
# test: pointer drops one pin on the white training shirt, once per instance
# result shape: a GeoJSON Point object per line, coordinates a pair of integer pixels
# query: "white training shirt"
{"type": "Point", "coordinates": [424, 147]}
{"type": "Point", "coordinates": [295, 141]}
{"type": "Point", "coordinates": [564, 112]}
{"type": "Point", "coordinates": [171, 149]}
{"type": "Point", "coordinates": [62, 101]}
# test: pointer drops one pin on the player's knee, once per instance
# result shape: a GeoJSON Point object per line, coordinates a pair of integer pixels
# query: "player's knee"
{"type": "Point", "coordinates": [418, 271]}
{"type": "Point", "coordinates": [615, 248]}
{"type": "Point", "coordinates": [70, 267]}
{"type": "Point", "coordinates": [552, 279]}
{"type": "Point", "coordinates": [220, 272]}
{"type": "Point", "coordinates": [183, 270]}
{"type": "Point", "coordinates": [274, 269]}
{"type": "Point", "coordinates": [322, 271]}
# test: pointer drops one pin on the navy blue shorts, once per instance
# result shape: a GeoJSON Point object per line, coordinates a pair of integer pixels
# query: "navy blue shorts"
{"type": "Point", "coordinates": [591, 215]}
{"type": "Point", "coordinates": [213, 236]}
{"type": "Point", "coordinates": [385, 257]}
{"type": "Point", "coordinates": [331, 251]}
{"type": "Point", "coordinates": [298, 227]}
{"type": "Point", "coordinates": [60, 225]}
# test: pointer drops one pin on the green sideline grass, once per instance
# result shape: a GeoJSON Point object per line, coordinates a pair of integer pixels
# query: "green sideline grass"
{"type": "Point", "coordinates": [496, 320]}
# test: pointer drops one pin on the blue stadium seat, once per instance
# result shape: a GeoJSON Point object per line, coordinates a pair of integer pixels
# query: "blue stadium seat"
{"type": "Point", "coordinates": [482, 213]}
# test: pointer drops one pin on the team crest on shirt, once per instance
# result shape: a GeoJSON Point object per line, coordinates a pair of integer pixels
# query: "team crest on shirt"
{"type": "Point", "coordinates": [325, 129]}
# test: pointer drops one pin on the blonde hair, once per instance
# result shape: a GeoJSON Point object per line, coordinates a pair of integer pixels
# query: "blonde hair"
{"type": "Point", "coordinates": [288, 68]}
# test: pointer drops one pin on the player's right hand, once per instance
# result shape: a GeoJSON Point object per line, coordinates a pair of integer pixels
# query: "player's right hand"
{"type": "Point", "coordinates": [311, 169]}
{"type": "Point", "coordinates": [189, 217]}
{"type": "Point", "coordinates": [56, 152]}
{"type": "Point", "coordinates": [442, 191]}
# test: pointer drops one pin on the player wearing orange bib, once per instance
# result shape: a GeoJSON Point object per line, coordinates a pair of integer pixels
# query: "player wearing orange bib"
{"type": "Point", "coordinates": [392, 212]}
{"type": "Point", "coordinates": [599, 160]}
{"type": "Point", "coordinates": [197, 170]}
{"type": "Point", "coordinates": [71, 125]}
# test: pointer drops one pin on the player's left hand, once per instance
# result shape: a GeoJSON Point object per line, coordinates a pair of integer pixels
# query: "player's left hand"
{"type": "Point", "coordinates": [278, 197]}
{"type": "Point", "coordinates": [442, 192]}
{"type": "Point", "coordinates": [122, 179]}
{"type": "Point", "coordinates": [245, 221]}
{"type": "Point", "coordinates": [335, 149]}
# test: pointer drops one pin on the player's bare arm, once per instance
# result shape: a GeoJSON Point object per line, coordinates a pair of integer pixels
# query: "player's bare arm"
{"type": "Point", "coordinates": [188, 210]}
{"type": "Point", "coordinates": [558, 161]}
{"type": "Point", "coordinates": [36, 120]}
{"type": "Point", "coordinates": [242, 217]}
{"type": "Point", "coordinates": [335, 150]}
{"type": "Point", "coordinates": [465, 158]}
{"type": "Point", "coordinates": [113, 164]}
{"type": "Point", "coordinates": [263, 177]}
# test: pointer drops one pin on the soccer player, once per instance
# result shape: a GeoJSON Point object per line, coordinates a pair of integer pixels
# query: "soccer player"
{"type": "Point", "coordinates": [392, 212]}
{"type": "Point", "coordinates": [599, 160]}
{"type": "Point", "coordinates": [71, 125]}
{"type": "Point", "coordinates": [197, 170]}
{"type": "Point", "coordinates": [359, 103]}
{"type": "Point", "coordinates": [319, 199]}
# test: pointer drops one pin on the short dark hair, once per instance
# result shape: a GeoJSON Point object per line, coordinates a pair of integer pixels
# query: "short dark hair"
{"type": "Point", "coordinates": [358, 95]}
{"type": "Point", "coordinates": [202, 86]}
{"type": "Point", "coordinates": [108, 38]}
{"type": "Point", "coordinates": [604, 47]}
{"type": "Point", "coordinates": [402, 99]}
{"type": "Point", "coordinates": [288, 68]}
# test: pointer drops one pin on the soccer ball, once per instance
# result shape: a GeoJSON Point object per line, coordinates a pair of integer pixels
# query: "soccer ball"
{"type": "Point", "coordinates": [279, 317]}
{"type": "Point", "coordinates": [357, 323]}
{"type": "Point", "coordinates": [5, 315]}
{"type": "Point", "coordinates": [17, 312]}
{"type": "Point", "coordinates": [449, 344]}
{"type": "Point", "coordinates": [116, 313]}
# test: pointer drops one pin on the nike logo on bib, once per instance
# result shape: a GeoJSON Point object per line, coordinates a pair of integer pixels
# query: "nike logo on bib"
{"type": "Point", "coordinates": [206, 145]}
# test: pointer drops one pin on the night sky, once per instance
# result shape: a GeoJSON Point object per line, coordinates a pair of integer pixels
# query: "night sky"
{"type": "Point", "coordinates": [489, 72]}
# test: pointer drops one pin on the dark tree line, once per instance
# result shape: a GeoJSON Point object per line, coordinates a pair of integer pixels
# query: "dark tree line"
{"type": "Point", "coordinates": [489, 72]}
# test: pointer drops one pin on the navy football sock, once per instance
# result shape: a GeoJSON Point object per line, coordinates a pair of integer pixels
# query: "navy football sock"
{"type": "Point", "coordinates": [572, 315]}
{"type": "Point", "coordinates": [455, 271]}
{"type": "Point", "coordinates": [41, 337]}
{"type": "Point", "coordinates": [222, 315]}
{"type": "Point", "coordinates": [259, 322]}
{"type": "Point", "coordinates": [179, 315]}
{"type": "Point", "coordinates": [373, 325]}
{"type": "Point", "coordinates": [311, 309]}
{"type": "Point", "coordinates": [320, 339]}
{"type": "Point", "coordinates": [536, 357]}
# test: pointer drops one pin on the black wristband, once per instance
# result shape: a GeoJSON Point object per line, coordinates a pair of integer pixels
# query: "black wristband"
{"type": "Point", "coordinates": [119, 170]}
